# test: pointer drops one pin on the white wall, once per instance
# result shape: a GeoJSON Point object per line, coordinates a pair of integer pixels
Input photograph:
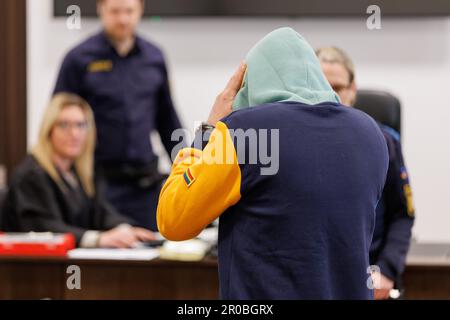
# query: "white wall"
{"type": "Point", "coordinates": [409, 57]}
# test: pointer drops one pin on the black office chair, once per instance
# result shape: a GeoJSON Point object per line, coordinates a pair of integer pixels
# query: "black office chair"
{"type": "Point", "coordinates": [380, 105]}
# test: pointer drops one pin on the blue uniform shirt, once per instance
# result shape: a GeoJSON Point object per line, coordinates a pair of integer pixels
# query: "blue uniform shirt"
{"type": "Point", "coordinates": [129, 95]}
{"type": "Point", "coordinates": [395, 213]}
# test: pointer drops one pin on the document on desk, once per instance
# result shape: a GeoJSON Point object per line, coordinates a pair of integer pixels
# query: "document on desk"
{"type": "Point", "coordinates": [114, 254]}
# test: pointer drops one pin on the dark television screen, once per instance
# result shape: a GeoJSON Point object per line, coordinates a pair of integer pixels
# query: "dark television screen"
{"type": "Point", "coordinates": [290, 8]}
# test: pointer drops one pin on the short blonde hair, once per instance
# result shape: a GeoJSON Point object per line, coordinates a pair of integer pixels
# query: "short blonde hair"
{"type": "Point", "coordinates": [336, 55]}
{"type": "Point", "coordinates": [43, 150]}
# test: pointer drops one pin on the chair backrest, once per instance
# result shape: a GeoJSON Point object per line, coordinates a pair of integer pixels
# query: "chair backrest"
{"type": "Point", "coordinates": [380, 105]}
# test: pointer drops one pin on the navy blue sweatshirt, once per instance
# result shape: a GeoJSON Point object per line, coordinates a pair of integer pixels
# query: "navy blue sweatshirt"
{"type": "Point", "coordinates": [304, 230]}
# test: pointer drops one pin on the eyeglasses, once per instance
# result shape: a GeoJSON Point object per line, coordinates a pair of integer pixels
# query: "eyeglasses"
{"type": "Point", "coordinates": [67, 125]}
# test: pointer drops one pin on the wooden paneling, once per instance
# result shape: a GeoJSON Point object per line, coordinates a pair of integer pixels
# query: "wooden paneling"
{"type": "Point", "coordinates": [29, 278]}
{"type": "Point", "coordinates": [18, 280]}
{"type": "Point", "coordinates": [427, 282]}
{"type": "Point", "coordinates": [13, 80]}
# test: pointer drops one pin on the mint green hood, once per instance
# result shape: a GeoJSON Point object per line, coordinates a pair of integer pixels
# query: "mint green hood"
{"type": "Point", "coordinates": [283, 67]}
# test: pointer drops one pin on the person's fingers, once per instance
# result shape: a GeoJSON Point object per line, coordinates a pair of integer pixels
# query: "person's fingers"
{"type": "Point", "coordinates": [381, 294]}
{"type": "Point", "coordinates": [236, 80]}
{"type": "Point", "coordinates": [126, 243]}
{"type": "Point", "coordinates": [118, 244]}
{"type": "Point", "coordinates": [235, 83]}
{"type": "Point", "coordinates": [376, 295]}
{"type": "Point", "coordinates": [127, 239]}
{"type": "Point", "coordinates": [113, 243]}
{"type": "Point", "coordinates": [144, 235]}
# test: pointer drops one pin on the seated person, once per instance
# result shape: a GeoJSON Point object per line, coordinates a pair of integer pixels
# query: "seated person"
{"type": "Point", "coordinates": [395, 211]}
{"type": "Point", "coordinates": [300, 228]}
{"type": "Point", "coordinates": [54, 190]}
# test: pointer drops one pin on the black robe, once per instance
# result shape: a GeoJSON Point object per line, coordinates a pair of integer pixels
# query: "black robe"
{"type": "Point", "coordinates": [35, 202]}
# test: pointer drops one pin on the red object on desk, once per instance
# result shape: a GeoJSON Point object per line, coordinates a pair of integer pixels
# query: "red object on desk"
{"type": "Point", "coordinates": [36, 244]}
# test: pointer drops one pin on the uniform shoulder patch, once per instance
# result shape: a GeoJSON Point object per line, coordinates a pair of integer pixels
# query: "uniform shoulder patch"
{"type": "Point", "coordinates": [189, 177]}
{"type": "Point", "coordinates": [409, 200]}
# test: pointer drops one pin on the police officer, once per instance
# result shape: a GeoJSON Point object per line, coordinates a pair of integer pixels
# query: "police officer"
{"type": "Point", "coordinates": [124, 78]}
{"type": "Point", "coordinates": [395, 211]}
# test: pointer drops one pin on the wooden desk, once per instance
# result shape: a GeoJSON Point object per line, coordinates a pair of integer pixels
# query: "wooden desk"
{"type": "Point", "coordinates": [427, 281]}
{"type": "Point", "coordinates": [427, 274]}
{"type": "Point", "coordinates": [37, 278]}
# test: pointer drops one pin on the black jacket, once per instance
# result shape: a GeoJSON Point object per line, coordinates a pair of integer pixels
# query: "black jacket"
{"type": "Point", "coordinates": [35, 202]}
{"type": "Point", "coordinates": [395, 214]}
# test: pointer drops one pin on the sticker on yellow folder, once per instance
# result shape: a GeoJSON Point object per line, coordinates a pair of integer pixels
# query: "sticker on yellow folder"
{"type": "Point", "coordinates": [100, 66]}
{"type": "Point", "coordinates": [189, 177]}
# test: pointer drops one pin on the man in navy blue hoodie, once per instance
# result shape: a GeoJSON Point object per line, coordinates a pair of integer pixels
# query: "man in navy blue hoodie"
{"type": "Point", "coordinates": [294, 176]}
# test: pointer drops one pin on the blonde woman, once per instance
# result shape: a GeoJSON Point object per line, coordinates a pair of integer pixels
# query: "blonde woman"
{"type": "Point", "coordinates": [54, 190]}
